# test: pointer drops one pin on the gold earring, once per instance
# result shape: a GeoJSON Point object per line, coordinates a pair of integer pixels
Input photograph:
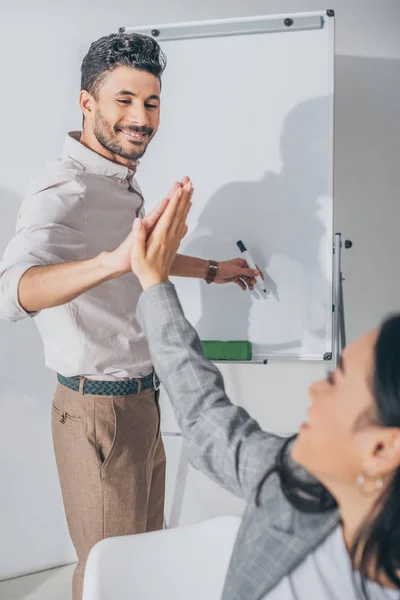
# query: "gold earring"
{"type": "Point", "coordinates": [368, 490]}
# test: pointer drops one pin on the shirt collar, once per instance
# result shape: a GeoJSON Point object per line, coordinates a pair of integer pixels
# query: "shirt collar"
{"type": "Point", "coordinates": [93, 162]}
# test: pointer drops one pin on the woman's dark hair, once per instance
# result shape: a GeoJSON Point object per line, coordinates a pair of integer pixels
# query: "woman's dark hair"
{"type": "Point", "coordinates": [120, 49]}
{"type": "Point", "coordinates": [377, 542]}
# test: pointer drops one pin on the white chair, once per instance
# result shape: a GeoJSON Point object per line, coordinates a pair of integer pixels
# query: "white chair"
{"type": "Point", "coordinates": [173, 564]}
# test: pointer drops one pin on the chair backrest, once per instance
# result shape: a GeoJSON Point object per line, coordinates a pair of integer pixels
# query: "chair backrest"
{"type": "Point", "coordinates": [173, 564]}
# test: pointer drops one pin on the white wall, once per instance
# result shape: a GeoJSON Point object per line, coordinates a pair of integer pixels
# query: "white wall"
{"type": "Point", "coordinates": [42, 44]}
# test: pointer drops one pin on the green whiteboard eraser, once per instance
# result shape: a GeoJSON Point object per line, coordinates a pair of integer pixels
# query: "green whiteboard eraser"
{"type": "Point", "coordinates": [232, 350]}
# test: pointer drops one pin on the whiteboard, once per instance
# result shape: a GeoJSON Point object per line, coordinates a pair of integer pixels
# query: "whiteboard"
{"type": "Point", "coordinates": [247, 113]}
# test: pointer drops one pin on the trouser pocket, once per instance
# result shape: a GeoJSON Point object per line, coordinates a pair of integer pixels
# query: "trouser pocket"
{"type": "Point", "coordinates": [105, 430]}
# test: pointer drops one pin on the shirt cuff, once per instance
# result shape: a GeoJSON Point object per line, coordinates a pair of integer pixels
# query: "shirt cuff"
{"type": "Point", "coordinates": [10, 307]}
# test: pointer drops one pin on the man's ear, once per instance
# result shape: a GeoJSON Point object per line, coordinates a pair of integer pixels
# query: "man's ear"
{"type": "Point", "coordinates": [86, 102]}
{"type": "Point", "coordinates": [385, 452]}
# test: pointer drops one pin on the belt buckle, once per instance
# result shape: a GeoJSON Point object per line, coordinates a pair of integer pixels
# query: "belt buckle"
{"type": "Point", "coordinates": [155, 380]}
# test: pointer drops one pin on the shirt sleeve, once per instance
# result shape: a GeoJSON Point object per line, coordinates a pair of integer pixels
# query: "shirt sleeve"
{"type": "Point", "coordinates": [225, 443]}
{"type": "Point", "coordinates": [50, 230]}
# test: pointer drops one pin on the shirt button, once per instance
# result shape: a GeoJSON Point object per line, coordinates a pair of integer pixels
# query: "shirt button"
{"type": "Point", "coordinates": [62, 418]}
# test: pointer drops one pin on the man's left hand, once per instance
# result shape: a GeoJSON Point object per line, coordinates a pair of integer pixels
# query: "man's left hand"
{"type": "Point", "coordinates": [236, 271]}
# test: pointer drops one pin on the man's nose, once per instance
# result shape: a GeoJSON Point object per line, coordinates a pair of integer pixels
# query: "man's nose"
{"type": "Point", "coordinates": [138, 116]}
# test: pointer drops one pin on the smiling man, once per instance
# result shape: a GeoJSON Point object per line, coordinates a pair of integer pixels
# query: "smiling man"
{"type": "Point", "coordinates": [69, 267]}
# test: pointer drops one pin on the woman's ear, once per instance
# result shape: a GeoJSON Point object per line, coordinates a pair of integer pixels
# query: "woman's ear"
{"type": "Point", "coordinates": [385, 452]}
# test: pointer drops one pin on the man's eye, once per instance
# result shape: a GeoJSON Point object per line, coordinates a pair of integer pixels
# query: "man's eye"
{"type": "Point", "coordinates": [124, 101]}
{"type": "Point", "coordinates": [152, 106]}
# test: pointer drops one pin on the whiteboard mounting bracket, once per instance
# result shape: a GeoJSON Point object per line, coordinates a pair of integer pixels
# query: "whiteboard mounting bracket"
{"type": "Point", "coordinates": [230, 27]}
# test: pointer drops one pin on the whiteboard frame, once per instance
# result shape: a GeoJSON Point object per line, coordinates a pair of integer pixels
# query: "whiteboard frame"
{"type": "Point", "coordinates": [313, 20]}
{"type": "Point", "coordinates": [230, 27]}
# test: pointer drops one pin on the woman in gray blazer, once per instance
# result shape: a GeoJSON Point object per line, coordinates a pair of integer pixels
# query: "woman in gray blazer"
{"type": "Point", "coordinates": [323, 508]}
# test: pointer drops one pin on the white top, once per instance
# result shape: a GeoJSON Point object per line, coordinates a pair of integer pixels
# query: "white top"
{"type": "Point", "coordinates": [79, 206]}
{"type": "Point", "coordinates": [327, 574]}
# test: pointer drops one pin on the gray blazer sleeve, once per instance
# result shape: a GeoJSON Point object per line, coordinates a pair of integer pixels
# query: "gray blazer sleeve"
{"type": "Point", "coordinates": [224, 441]}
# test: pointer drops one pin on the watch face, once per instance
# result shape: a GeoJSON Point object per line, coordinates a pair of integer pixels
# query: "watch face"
{"type": "Point", "coordinates": [211, 271]}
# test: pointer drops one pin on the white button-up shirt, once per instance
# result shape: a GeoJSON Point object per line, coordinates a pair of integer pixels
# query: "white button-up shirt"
{"type": "Point", "coordinates": [79, 206]}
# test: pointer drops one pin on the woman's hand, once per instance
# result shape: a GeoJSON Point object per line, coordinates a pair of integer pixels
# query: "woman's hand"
{"type": "Point", "coordinates": [152, 256]}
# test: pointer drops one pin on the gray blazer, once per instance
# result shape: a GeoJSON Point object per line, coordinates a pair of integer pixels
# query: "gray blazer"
{"type": "Point", "coordinates": [229, 446]}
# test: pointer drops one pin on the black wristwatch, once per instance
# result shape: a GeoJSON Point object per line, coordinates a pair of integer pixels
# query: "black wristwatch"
{"type": "Point", "coordinates": [212, 271]}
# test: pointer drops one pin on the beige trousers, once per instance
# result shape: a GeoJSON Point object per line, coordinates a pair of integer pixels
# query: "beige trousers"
{"type": "Point", "coordinates": [111, 464]}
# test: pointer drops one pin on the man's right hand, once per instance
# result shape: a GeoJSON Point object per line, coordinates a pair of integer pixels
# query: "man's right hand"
{"type": "Point", "coordinates": [118, 261]}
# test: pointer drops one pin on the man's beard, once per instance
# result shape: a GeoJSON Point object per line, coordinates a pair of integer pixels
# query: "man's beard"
{"type": "Point", "coordinates": [107, 136]}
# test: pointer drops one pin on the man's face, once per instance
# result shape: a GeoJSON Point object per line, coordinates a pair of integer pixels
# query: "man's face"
{"type": "Point", "coordinates": [126, 113]}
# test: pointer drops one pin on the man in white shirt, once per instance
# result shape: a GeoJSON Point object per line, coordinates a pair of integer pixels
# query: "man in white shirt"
{"type": "Point", "coordinates": [71, 256]}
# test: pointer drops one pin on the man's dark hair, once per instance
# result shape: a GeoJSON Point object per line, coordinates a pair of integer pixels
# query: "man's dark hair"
{"type": "Point", "coordinates": [120, 49]}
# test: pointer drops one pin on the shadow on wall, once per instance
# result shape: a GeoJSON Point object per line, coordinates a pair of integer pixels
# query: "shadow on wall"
{"type": "Point", "coordinates": [27, 463]}
{"type": "Point", "coordinates": [367, 186]}
{"type": "Point", "coordinates": [274, 216]}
